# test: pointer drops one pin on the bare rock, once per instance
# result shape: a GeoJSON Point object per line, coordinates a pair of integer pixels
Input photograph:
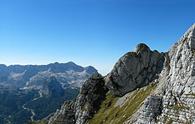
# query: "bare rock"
{"type": "Point", "coordinates": [91, 96]}
{"type": "Point", "coordinates": [173, 74]}
{"type": "Point", "coordinates": [134, 70]}
{"type": "Point", "coordinates": [177, 87]}
{"type": "Point", "coordinates": [65, 115]}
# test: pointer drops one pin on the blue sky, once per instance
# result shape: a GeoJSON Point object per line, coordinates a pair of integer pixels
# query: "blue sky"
{"type": "Point", "coordinates": [88, 32]}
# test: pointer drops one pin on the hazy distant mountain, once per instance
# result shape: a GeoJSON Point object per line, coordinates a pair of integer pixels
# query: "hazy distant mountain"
{"type": "Point", "coordinates": [32, 92]}
{"type": "Point", "coordinates": [18, 76]}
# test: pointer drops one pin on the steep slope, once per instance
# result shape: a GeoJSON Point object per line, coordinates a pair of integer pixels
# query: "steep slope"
{"type": "Point", "coordinates": [65, 115]}
{"type": "Point", "coordinates": [91, 95]}
{"type": "Point", "coordinates": [172, 98]}
{"type": "Point", "coordinates": [144, 87]}
{"type": "Point", "coordinates": [175, 89]}
{"type": "Point", "coordinates": [88, 102]}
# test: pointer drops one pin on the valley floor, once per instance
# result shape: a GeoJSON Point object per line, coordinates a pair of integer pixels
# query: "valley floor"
{"type": "Point", "coordinates": [31, 110]}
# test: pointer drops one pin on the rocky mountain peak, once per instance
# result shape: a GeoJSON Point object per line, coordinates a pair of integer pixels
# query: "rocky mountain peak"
{"type": "Point", "coordinates": [188, 38]}
{"type": "Point", "coordinates": [134, 69]}
{"type": "Point", "coordinates": [90, 69]}
{"type": "Point", "coordinates": [141, 48]}
{"type": "Point", "coordinates": [175, 87]}
{"type": "Point", "coordinates": [192, 37]}
{"type": "Point", "coordinates": [144, 87]}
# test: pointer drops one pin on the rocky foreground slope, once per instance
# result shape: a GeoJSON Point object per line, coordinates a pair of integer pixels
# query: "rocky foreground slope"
{"type": "Point", "coordinates": [145, 87]}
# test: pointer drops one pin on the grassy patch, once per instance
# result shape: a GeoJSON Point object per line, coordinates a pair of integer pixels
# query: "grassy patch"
{"type": "Point", "coordinates": [38, 122]}
{"type": "Point", "coordinates": [178, 107]}
{"type": "Point", "coordinates": [108, 113]}
{"type": "Point", "coordinates": [169, 121]}
{"type": "Point", "coordinates": [191, 94]}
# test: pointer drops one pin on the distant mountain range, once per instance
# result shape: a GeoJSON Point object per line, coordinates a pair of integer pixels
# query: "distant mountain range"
{"type": "Point", "coordinates": [32, 92]}
{"type": "Point", "coordinates": [19, 76]}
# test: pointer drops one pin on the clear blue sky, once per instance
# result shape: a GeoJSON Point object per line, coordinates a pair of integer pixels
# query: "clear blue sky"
{"type": "Point", "coordinates": [88, 32]}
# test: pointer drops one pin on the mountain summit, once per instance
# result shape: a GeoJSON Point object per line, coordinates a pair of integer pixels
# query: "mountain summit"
{"type": "Point", "coordinates": [144, 87]}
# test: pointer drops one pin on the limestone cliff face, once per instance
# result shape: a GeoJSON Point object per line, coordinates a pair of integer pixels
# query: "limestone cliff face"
{"type": "Point", "coordinates": [174, 96]}
{"type": "Point", "coordinates": [135, 69]}
{"type": "Point", "coordinates": [179, 91]}
{"type": "Point", "coordinates": [144, 87]}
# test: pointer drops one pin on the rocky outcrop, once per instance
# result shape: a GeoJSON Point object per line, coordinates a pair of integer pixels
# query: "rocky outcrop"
{"type": "Point", "coordinates": [88, 102]}
{"type": "Point", "coordinates": [178, 97]}
{"type": "Point", "coordinates": [135, 69]}
{"type": "Point", "coordinates": [152, 108]}
{"type": "Point", "coordinates": [176, 86]}
{"type": "Point", "coordinates": [148, 87]}
{"type": "Point", "coordinates": [65, 115]}
{"type": "Point", "coordinates": [91, 96]}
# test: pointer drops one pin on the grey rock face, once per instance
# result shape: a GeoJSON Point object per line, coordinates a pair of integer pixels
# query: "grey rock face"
{"type": "Point", "coordinates": [176, 87]}
{"type": "Point", "coordinates": [152, 109]}
{"type": "Point", "coordinates": [178, 98]}
{"type": "Point", "coordinates": [91, 95]}
{"type": "Point", "coordinates": [173, 74]}
{"type": "Point", "coordinates": [134, 69]}
{"type": "Point", "coordinates": [65, 115]}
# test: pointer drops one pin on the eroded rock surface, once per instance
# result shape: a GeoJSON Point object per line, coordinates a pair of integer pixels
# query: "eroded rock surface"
{"type": "Point", "coordinates": [90, 98]}
{"type": "Point", "coordinates": [176, 86]}
{"type": "Point", "coordinates": [88, 102]}
{"type": "Point", "coordinates": [135, 69]}
{"type": "Point", "coordinates": [65, 115]}
{"type": "Point", "coordinates": [171, 75]}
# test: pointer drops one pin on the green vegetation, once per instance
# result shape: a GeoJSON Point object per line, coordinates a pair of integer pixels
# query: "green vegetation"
{"type": "Point", "coordinates": [178, 107]}
{"type": "Point", "coordinates": [191, 94]}
{"type": "Point", "coordinates": [11, 110]}
{"type": "Point", "coordinates": [169, 121]}
{"type": "Point", "coordinates": [49, 104]}
{"type": "Point", "coordinates": [11, 106]}
{"type": "Point", "coordinates": [108, 113]}
{"type": "Point", "coordinates": [38, 122]}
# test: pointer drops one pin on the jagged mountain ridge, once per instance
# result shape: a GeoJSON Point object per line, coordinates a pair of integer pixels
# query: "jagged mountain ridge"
{"type": "Point", "coordinates": [32, 92]}
{"type": "Point", "coordinates": [18, 76]}
{"type": "Point", "coordinates": [145, 87]}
